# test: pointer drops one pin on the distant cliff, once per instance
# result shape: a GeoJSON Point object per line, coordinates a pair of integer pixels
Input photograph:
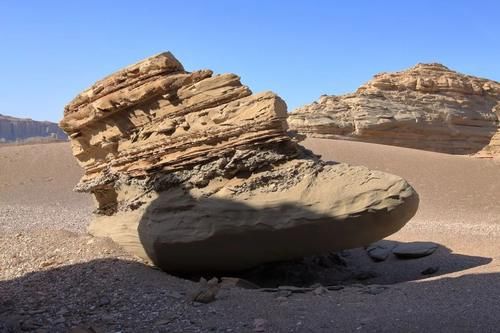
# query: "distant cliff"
{"type": "Point", "coordinates": [24, 129]}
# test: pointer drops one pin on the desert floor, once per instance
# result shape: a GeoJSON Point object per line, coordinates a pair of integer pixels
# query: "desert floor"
{"type": "Point", "coordinates": [53, 276]}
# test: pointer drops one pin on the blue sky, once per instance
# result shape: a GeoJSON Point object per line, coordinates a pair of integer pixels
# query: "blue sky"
{"type": "Point", "coordinates": [51, 50]}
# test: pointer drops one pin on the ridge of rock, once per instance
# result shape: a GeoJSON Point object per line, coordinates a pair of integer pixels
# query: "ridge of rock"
{"type": "Point", "coordinates": [194, 172]}
{"type": "Point", "coordinates": [427, 107]}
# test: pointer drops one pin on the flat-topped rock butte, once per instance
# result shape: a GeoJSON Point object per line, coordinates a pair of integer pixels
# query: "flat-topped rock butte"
{"type": "Point", "coordinates": [194, 172]}
{"type": "Point", "coordinates": [427, 107]}
{"type": "Point", "coordinates": [14, 129]}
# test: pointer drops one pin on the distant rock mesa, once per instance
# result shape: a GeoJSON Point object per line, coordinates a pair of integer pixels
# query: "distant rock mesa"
{"type": "Point", "coordinates": [195, 173]}
{"type": "Point", "coordinates": [22, 129]}
{"type": "Point", "coordinates": [427, 107]}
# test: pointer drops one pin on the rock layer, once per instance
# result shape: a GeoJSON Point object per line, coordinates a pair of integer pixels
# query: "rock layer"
{"type": "Point", "coordinates": [427, 107]}
{"type": "Point", "coordinates": [194, 172]}
{"type": "Point", "coordinates": [21, 129]}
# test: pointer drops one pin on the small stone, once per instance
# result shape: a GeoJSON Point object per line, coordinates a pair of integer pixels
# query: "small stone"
{"type": "Point", "coordinates": [104, 301]}
{"type": "Point", "coordinates": [374, 290]}
{"type": "Point", "coordinates": [414, 250]}
{"type": "Point", "coordinates": [30, 325]}
{"type": "Point", "coordinates": [165, 321]}
{"type": "Point", "coordinates": [320, 291]}
{"type": "Point", "coordinates": [430, 270]}
{"type": "Point", "coordinates": [379, 251]}
{"type": "Point", "coordinates": [207, 291]}
{"type": "Point", "coordinates": [259, 325]}
{"type": "Point", "coordinates": [283, 293]}
{"type": "Point", "coordinates": [47, 263]}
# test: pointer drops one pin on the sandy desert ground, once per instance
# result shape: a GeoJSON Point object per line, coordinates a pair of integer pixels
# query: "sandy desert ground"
{"type": "Point", "coordinates": [53, 276]}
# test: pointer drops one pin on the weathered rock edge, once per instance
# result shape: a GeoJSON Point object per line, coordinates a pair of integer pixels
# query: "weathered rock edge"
{"type": "Point", "coordinates": [427, 107]}
{"type": "Point", "coordinates": [195, 173]}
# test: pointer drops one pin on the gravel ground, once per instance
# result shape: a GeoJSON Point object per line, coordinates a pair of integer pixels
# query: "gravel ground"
{"type": "Point", "coordinates": [55, 278]}
{"type": "Point", "coordinates": [53, 281]}
{"type": "Point", "coordinates": [15, 218]}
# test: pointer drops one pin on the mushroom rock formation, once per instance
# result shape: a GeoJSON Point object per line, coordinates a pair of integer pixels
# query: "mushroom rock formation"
{"type": "Point", "coordinates": [195, 173]}
{"type": "Point", "coordinates": [427, 107]}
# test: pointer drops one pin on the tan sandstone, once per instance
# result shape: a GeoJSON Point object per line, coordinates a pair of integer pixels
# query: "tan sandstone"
{"type": "Point", "coordinates": [427, 107]}
{"type": "Point", "coordinates": [195, 172]}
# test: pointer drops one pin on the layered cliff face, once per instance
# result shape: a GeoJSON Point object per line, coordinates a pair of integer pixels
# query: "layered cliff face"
{"type": "Point", "coordinates": [194, 172]}
{"type": "Point", "coordinates": [18, 129]}
{"type": "Point", "coordinates": [427, 107]}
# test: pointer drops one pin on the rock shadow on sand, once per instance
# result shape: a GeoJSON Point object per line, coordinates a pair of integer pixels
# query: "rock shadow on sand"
{"type": "Point", "coordinates": [118, 295]}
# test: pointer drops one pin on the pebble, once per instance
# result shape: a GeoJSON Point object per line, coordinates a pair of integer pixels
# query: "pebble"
{"type": "Point", "coordinates": [320, 291]}
{"type": "Point", "coordinates": [259, 325]}
{"type": "Point", "coordinates": [430, 270]}
{"type": "Point", "coordinates": [380, 251]}
{"type": "Point", "coordinates": [414, 250]}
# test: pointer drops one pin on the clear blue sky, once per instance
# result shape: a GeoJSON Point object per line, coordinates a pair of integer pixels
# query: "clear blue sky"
{"type": "Point", "coordinates": [51, 50]}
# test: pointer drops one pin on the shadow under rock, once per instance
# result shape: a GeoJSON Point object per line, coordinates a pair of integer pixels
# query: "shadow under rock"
{"type": "Point", "coordinates": [112, 295]}
{"type": "Point", "coordinates": [353, 266]}
{"type": "Point", "coordinates": [103, 294]}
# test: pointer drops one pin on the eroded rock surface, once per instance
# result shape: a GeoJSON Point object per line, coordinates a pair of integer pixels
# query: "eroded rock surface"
{"type": "Point", "coordinates": [194, 172]}
{"type": "Point", "coordinates": [427, 107]}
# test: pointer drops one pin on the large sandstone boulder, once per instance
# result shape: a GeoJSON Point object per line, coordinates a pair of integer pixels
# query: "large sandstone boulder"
{"type": "Point", "coordinates": [426, 107]}
{"type": "Point", "coordinates": [194, 172]}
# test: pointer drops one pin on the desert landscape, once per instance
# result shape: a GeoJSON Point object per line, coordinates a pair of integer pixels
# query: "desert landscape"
{"type": "Point", "coordinates": [55, 276]}
{"type": "Point", "coordinates": [194, 179]}
{"type": "Point", "coordinates": [243, 167]}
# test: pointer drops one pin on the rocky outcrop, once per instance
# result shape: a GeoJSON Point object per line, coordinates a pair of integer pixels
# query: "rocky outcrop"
{"type": "Point", "coordinates": [20, 129]}
{"type": "Point", "coordinates": [194, 172]}
{"type": "Point", "coordinates": [427, 107]}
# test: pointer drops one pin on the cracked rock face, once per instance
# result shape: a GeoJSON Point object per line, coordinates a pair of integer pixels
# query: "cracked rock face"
{"type": "Point", "coordinates": [195, 173]}
{"type": "Point", "coordinates": [427, 107]}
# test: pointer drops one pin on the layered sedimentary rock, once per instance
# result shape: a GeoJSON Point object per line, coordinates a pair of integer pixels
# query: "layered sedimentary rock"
{"type": "Point", "coordinates": [21, 129]}
{"type": "Point", "coordinates": [194, 172]}
{"type": "Point", "coordinates": [427, 107]}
